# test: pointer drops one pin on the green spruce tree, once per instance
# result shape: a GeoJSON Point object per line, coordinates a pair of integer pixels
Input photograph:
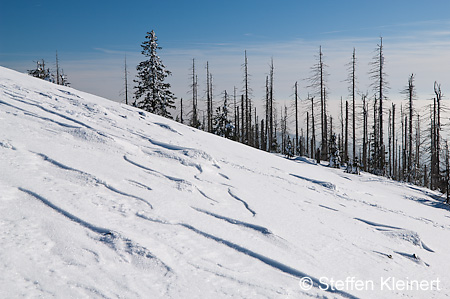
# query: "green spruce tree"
{"type": "Point", "coordinates": [41, 72]}
{"type": "Point", "coordinates": [222, 125]}
{"type": "Point", "coordinates": [152, 93]}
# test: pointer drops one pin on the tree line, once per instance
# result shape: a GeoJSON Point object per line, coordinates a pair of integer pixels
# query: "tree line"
{"type": "Point", "coordinates": [416, 155]}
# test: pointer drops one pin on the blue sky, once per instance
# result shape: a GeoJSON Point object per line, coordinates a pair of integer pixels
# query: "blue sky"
{"type": "Point", "coordinates": [80, 26]}
{"type": "Point", "coordinates": [92, 38]}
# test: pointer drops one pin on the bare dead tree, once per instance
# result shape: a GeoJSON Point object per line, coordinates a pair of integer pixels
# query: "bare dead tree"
{"type": "Point", "coordinates": [313, 137]}
{"type": "Point", "coordinates": [181, 112]}
{"type": "Point", "coordinates": [437, 133]}
{"type": "Point", "coordinates": [365, 131]}
{"type": "Point", "coordinates": [248, 111]}
{"type": "Point", "coordinates": [272, 135]}
{"type": "Point", "coordinates": [351, 79]}
{"type": "Point", "coordinates": [380, 87]}
{"type": "Point", "coordinates": [208, 99]}
{"type": "Point", "coordinates": [236, 116]}
{"type": "Point", "coordinates": [195, 122]}
{"type": "Point", "coordinates": [57, 71]}
{"type": "Point", "coordinates": [267, 106]}
{"type": "Point", "coordinates": [393, 143]}
{"type": "Point", "coordinates": [317, 82]}
{"type": "Point", "coordinates": [125, 76]}
{"type": "Point", "coordinates": [296, 120]}
{"type": "Point", "coordinates": [447, 174]}
{"type": "Point", "coordinates": [307, 135]}
{"type": "Point", "coordinates": [418, 144]}
{"type": "Point", "coordinates": [389, 143]}
{"type": "Point", "coordinates": [243, 140]}
{"type": "Point", "coordinates": [410, 93]}
{"type": "Point", "coordinates": [346, 134]}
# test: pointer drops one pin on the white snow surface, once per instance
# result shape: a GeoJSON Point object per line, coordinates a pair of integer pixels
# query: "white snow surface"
{"type": "Point", "coordinates": [102, 200]}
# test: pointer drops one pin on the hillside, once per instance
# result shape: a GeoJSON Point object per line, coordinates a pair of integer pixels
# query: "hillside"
{"type": "Point", "coordinates": [101, 200]}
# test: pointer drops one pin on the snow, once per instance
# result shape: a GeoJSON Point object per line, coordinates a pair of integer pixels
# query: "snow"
{"type": "Point", "coordinates": [101, 200]}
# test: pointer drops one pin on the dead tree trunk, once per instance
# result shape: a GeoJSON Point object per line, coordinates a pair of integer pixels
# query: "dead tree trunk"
{"type": "Point", "coordinates": [393, 141]}
{"type": "Point", "coordinates": [365, 132]}
{"type": "Point", "coordinates": [346, 134]}
{"type": "Point", "coordinates": [296, 120]}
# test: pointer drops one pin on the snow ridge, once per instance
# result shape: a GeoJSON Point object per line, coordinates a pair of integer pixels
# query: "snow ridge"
{"type": "Point", "coordinates": [107, 236]}
{"type": "Point", "coordinates": [96, 180]}
{"type": "Point", "coordinates": [103, 200]}
{"type": "Point", "coordinates": [243, 202]}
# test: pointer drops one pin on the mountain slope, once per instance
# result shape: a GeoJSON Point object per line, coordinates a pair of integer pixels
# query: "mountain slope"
{"type": "Point", "coordinates": [99, 199]}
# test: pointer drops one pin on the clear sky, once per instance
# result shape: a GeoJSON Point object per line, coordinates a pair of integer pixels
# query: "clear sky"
{"type": "Point", "coordinates": [93, 37]}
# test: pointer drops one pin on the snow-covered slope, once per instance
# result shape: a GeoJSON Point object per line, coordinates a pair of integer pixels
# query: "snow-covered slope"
{"type": "Point", "coordinates": [98, 199]}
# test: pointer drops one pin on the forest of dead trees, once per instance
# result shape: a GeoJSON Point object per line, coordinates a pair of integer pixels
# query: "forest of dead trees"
{"type": "Point", "coordinates": [402, 142]}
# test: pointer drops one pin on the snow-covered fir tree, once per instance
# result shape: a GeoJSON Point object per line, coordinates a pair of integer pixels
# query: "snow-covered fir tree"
{"type": "Point", "coordinates": [63, 79]}
{"type": "Point", "coordinates": [289, 149]}
{"type": "Point", "coordinates": [152, 93]}
{"type": "Point", "coordinates": [222, 125]}
{"type": "Point", "coordinates": [335, 157]}
{"type": "Point", "coordinates": [354, 167]}
{"type": "Point", "coordinates": [41, 72]}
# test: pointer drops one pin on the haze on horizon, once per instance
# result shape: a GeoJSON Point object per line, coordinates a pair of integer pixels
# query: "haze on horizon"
{"type": "Point", "coordinates": [92, 40]}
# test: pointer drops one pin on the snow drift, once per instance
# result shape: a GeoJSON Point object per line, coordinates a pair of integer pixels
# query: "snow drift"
{"type": "Point", "coordinates": [99, 199]}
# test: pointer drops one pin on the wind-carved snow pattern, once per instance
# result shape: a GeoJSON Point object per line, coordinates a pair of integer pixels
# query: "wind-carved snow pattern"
{"type": "Point", "coordinates": [25, 112]}
{"type": "Point", "coordinates": [271, 262]}
{"type": "Point", "coordinates": [183, 161]}
{"type": "Point", "coordinates": [189, 152]}
{"type": "Point", "coordinates": [86, 239]}
{"type": "Point", "coordinates": [324, 184]}
{"type": "Point", "coordinates": [21, 100]}
{"type": "Point", "coordinates": [304, 160]}
{"type": "Point", "coordinates": [206, 196]}
{"type": "Point", "coordinates": [255, 227]}
{"type": "Point", "coordinates": [93, 178]}
{"type": "Point", "coordinates": [316, 283]}
{"type": "Point", "coordinates": [69, 93]}
{"type": "Point", "coordinates": [325, 207]}
{"type": "Point", "coordinates": [168, 146]}
{"type": "Point", "coordinates": [181, 183]}
{"type": "Point", "coordinates": [145, 216]}
{"type": "Point", "coordinates": [140, 185]}
{"type": "Point", "coordinates": [243, 202]}
{"type": "Point", "coordinates": [75, 130]}
{"type": "Point", "coordinates": [430, 199]}
{"type": "Point", "coordinates": [111, 238]}
{"type": "Point", "coordinates": [7, 145]}
{"type": "Point", "coordinates": [44, 94]}
{"type": "Point", "coordinates": [91, 227]}
{"type": "Point", "coordinates": [398, 233]}
{"type": "Point", "coordinates": [412, 257]}
{"type": "Point", "coordinates": [224, 176]}
{"type": "Point", "coordinates": [87, 134]}
{"type": "Point", "coordinates": [167, 127]}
